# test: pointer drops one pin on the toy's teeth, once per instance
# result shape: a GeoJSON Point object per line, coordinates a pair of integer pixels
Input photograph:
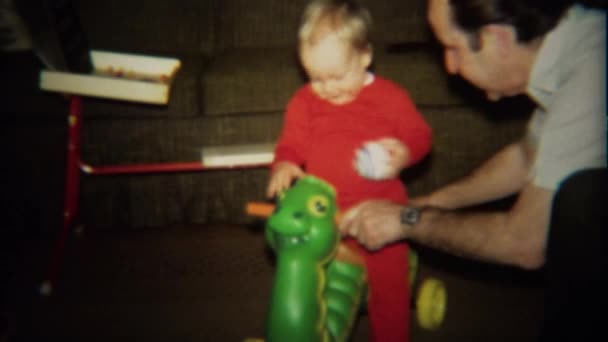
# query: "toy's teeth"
{"type": "Point", "coordinates": [291, 240]}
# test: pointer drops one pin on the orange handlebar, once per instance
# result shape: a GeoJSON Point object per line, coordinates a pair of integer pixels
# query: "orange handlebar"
{"type": "Point", "coordinates": [259, 209]}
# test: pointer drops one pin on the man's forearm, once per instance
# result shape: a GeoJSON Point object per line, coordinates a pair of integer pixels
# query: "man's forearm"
{"type": "Point", "coordinates": [503, 175]}
{"type": "Point", "coordinates": [468, 235]}
{"type": "Point", "coordinates": [515, 237]}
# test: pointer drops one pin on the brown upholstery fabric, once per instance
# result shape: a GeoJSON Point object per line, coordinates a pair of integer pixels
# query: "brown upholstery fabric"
{"type": "Point", "coordinates": [239, 69]}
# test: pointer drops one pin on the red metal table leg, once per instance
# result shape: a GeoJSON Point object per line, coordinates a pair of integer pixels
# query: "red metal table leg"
{"type": "Point", "coordinates": [72, 179]}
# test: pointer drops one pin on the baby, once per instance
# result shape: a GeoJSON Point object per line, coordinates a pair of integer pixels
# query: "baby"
{"type": "Point", "coordinates": [331, 126]}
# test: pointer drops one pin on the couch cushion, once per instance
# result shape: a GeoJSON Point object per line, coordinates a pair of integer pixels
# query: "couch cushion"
{"type": "Point", "coordinates": [420, 71]}
{"type": "Point", "coordinates": [275, 22]}
{"type": "Point", "coordinates": [116, 140]}
{"type": "Point", "coordinates": [177, 26]}
{"type": "Point", "coordinates": [243, 24]}
{"type": "Point", "coordinates": [262, 80]}
{"type": "Point", "coordinates": [398, 21]}
{"type": "Point", "coordinates": [463, 138]}
{"type": "Point", "coordinates": [250, 80]}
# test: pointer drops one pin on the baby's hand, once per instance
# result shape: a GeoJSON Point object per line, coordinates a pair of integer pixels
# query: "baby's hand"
{"type": "Point", "coordinates": [399, 155]}
{"type": "Point", "coordinates": [381, 159]}
{"type": "Point", "coordinates": [282, 175]}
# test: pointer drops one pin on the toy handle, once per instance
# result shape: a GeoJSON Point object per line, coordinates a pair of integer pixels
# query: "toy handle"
{"type": "Point", "coordinates": [259, 209]}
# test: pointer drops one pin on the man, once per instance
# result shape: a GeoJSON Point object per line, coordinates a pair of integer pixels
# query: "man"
{"type": "Point", "coordinates": [555, 52]}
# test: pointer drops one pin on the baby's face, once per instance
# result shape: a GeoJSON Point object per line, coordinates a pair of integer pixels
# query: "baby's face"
{"type": "Point", "coordinates": [337, 70]}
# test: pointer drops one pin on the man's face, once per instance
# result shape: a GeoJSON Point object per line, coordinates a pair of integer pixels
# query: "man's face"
{"type": "Point", "coordinates": [489, 67]}
{"type": "Point", "coordinates": [337, 71]}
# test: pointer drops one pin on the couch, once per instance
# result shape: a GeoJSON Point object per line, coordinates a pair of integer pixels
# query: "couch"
{"type": "Point", "coordinates": [239, 69]}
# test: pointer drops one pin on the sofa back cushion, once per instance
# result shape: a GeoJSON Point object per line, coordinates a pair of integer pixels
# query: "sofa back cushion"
{"type": "Point", "coordinates": [243, 23]}
{"type": "Point", "coordinates": [398, 21]}
{"type": "Point", "coordinates": [176, 27]}
{"type": "Point", "coordinates": [195, 26]}
{"type": "Point", "coordinates": [247, 24]}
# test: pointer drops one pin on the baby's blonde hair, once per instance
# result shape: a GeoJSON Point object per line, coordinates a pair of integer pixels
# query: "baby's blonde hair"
{"type": "Point", "coordinates": [345, 18]}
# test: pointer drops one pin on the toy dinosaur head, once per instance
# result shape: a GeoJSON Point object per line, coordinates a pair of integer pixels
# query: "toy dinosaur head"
{"type": "Point", "coordinates": [303, 221]}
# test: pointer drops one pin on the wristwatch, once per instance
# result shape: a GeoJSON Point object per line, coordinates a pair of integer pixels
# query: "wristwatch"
{"type": "Point", "coordinates": [410, 216]}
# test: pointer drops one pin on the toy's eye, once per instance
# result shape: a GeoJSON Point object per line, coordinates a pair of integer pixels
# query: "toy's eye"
{"type": "Point", "coordinates": [318, 205]}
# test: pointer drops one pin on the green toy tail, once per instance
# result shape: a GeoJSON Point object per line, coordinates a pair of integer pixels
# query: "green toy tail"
{"type": "Point", "coordinates": [343, 294]}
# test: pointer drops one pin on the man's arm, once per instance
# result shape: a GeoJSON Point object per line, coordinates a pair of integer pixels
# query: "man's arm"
{"type": "Point", "coordinates": [515, 237]}
{"type": "Point", "coordinates": [504, 174]}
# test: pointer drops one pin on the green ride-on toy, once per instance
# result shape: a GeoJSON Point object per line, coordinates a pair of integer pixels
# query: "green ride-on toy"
{"type": "Point", "coordinates": [320, 284]}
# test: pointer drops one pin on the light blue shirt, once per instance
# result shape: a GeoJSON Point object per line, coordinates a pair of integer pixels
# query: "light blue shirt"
{"type": "Point", "coordinates": [568, 82]}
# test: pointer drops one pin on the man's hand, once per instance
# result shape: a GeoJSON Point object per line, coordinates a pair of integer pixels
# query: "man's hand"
{"type": "Point", "coordinates": [374, 223]}
{"type": "Point", "coordinates": [283, 174]}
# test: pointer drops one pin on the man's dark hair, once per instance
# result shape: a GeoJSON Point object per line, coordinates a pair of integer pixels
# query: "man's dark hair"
{"type": "Point", "coordinates": [529, 18]}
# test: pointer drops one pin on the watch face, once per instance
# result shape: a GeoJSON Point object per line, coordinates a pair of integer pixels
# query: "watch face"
{"type": "Point", "coordinates": [410, 215]}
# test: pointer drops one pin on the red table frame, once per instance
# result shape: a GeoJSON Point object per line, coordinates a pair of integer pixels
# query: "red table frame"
{"type": "Point", "coordinates": [74, 166]}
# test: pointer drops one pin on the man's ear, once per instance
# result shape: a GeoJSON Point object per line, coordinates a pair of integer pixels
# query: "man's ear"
{"type": "Point", "coordinates": [366, 57]}
{"type": "Point", "coordinates": [503, 36]}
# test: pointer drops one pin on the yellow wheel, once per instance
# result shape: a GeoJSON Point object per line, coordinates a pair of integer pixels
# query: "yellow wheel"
{"type": "Point", "coordinates": [431, 303]}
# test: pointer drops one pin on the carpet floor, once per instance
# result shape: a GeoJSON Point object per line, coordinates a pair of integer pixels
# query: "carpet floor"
{"type": "Point", "coordinates": [212, 283]}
